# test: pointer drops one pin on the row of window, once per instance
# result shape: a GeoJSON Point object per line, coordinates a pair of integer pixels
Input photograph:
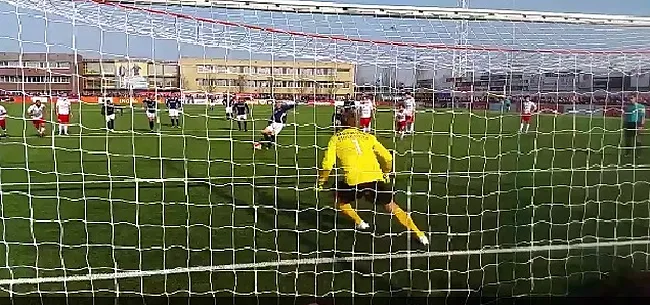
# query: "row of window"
{"type": "Point", "coordinates": [267, 84]}
{"type": "Point", "coordinates": [268, 70]}
{"type": "Point", "coordinates": [35, 79]}
{"type": "Point", "coordinates": [110, 83]}
{"type": "Point", "coordinates": [113, 68]}
{"type": "Point", "coordinates": [36, 64]}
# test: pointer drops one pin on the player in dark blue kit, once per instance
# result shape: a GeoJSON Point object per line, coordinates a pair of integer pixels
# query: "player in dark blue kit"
{"type": "Point", "coordinates": [150, 108]}
{"type": "Point", "coordinates": [337, 116]}
{"type": "Point", "coordinates": [276, 123]}
{"type": "Point", "coordinates": [241, 110]}
{"type": "Point", "coordinates": [174, 105]}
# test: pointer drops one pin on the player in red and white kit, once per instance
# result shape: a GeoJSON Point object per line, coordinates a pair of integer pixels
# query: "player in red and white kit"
{"type": "Point", "coordinates": [366, 108]}
{"type": "Point", "coordinates": [528, 108]}
{"type": "Point", "coordinates": [63, 114]}
{"type": "Point", "coordinates": [3, 122]}
{"type": "Point", "coordinates": [36, 112]}
{"type": "Point", "coordinates": [401, 121]}
{"type": "Point", "coordinates": [409, 108]}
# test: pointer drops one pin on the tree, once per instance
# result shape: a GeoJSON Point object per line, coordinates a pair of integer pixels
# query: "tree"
{"type": "Point", "coordinates": [185, 83]}
{"type": "Point", "coordinates": [333, 87]}
{"type": "Point", "coordinates": [240, 82]}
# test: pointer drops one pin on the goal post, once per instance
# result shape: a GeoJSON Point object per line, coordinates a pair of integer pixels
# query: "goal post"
{"type": "Point", "coordinates": [515, 199]}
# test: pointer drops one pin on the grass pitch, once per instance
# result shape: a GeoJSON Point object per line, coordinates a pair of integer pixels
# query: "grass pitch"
{"type": "Point", "coordinates": [201, 196]}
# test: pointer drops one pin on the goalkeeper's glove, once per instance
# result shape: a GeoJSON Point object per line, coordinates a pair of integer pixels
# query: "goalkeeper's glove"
{"type": "Point", "coordinates": [387, 177]}
{"type": "Point", "coordinates": [319, 185]}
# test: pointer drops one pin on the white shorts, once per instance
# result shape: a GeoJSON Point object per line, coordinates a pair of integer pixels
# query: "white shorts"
{"type": "Point", "coordinates": [274, 128]}
{"type": "Point", "coordinates": [173, 112]}
{"type": "Point", "coordinates": [151, 115]}
{"type": "Point", "coordinates": [228, 110]}
{"type": "Point", "coordinates": [110, 117]}
{"type": "Point", "coordinates": [242, 117]}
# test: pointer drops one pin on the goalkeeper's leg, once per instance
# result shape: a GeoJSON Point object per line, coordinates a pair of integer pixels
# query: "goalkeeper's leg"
{"type": "Point", "coordinates": [344, 196]}
{"type": "Point", "coordinates": [384, 196]}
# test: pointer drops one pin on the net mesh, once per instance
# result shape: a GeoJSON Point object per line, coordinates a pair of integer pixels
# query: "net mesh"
{"type": "Point", "coordinates": [197, 211]}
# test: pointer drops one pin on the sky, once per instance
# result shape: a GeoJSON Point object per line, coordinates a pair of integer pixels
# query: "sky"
{"type": "Point", "coordinates": [628, 7]}
{"type": "Point", "coordinates": [29, 31]}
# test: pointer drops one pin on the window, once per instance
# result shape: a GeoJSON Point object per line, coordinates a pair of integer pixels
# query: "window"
{"type": "Point", "coordinates": [343, 70]}
{"type": "Point", "coordinates": [9, 79]}
{"type": "Point", "coordinates": [204, 69]}
{"type": "Point", "coordinates": [33, 64]}
{"type": "Point", "coordinates": [93, 83]}
{"type": "Point", "coordinates": [60, 65]}
{"type": "Point", "coordinates": [60, 79]}
{"type": "Point", "coordinates": [170, 70]}
{"type": "Point", "coordinates": [109, 83]}
{"type": "Point", "coordinates": [108, 68]}
{"type": "Point", "coordinates": [9, 64]}
{"type": "Point", "coordinates": [278, 71]}
{"type": "Point", "coordinates": [92, 68]}
{"type": "Point", "coordinates": [264, 71]}
{"type": "Point", "coordinates": [171, 83]}
{"type": "Point", "coordinates": [157, 70]}
{"type": "Point", "coordinates": [307, 71]}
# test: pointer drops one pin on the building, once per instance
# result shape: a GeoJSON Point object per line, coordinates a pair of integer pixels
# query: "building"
{"type": "Point", "coordinates": [101, 75]}
{"type": "Point", "coordinates": [268, 79]}
{"type": "Point", "coordinates": [434, 79]}
{"type": "Point", "coordinates": [549, 82]}
{"type": "Point", "coordinates": [496, 82]}
{"type": "Point", "coordinates": [40, 73]}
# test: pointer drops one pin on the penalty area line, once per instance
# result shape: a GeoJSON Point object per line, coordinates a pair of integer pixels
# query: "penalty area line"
{"type": "Point", "coordinates": [314, 261]}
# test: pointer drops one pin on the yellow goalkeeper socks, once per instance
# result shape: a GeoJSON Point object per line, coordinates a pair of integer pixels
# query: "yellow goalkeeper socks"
{"type": "Point", "coordinates": [347, 209]}
{"type": "Point", "coordinates": [407, 221]}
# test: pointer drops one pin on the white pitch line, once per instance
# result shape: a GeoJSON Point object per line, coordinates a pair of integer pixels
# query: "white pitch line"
{"type": "Point", "coordinates": [312, 261]}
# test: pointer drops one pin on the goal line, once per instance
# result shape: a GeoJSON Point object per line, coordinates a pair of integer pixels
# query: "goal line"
{"type": "Point", "coordinates": [315, 261]}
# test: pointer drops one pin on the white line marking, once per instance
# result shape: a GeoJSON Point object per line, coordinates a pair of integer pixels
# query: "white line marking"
{"type": "Point", "coordinates": [311, 261]}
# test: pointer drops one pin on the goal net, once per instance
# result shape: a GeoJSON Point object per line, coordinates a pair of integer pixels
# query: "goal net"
{"type": "Point", "coordinates": [509, 208]}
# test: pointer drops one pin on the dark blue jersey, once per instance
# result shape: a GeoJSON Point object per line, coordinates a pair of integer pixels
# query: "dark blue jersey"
{"type": "Point", "coordinates": [337, 117]}
{"type": "Point", "coordinates": [280, 114]}
{"type": "Point", "coordinates": [174, 103]}
{"type": "Point", "coordinates": [108, 109]}
{"type": "Point", "coordinates": [150, 105]}
{"type": "Point", "coordinates": [241, 108]}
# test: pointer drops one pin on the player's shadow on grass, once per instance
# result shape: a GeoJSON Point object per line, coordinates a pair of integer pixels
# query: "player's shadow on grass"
{"type": "Point", "coordinates": [326, 221]}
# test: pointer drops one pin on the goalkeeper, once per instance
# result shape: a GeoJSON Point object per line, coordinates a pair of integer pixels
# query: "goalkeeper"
{"type": "Point", "coordinates": [366, 164]}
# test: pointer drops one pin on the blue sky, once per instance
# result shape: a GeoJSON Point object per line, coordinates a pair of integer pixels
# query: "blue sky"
{"type": "Point", "coordinates": [92, 41]}
{"type": "Point", "coordinates": [31, 31]}
{"type": "Point", "coordinates": [625, 7]}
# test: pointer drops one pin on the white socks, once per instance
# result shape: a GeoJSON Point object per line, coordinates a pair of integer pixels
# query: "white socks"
{"type": "Point", "coordinates": [63, 129]}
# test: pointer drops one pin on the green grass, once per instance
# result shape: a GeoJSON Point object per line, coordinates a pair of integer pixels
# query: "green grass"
{"type": "Point", "coordinates": [469, 174]}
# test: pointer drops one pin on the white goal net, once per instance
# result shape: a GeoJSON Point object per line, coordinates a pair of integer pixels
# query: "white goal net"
{"type": "Point", "coordinates": [513, 203]}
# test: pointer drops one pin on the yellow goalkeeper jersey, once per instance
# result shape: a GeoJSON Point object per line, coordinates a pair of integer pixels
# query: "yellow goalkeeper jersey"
{"type": "Point", "coordinates": [361, 157]}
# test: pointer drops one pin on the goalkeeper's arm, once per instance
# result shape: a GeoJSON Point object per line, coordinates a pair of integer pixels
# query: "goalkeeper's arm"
{"type": "Point", "coordinates": [328, 162]}
{"type": "Point", "coordinates": [384, 157]}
